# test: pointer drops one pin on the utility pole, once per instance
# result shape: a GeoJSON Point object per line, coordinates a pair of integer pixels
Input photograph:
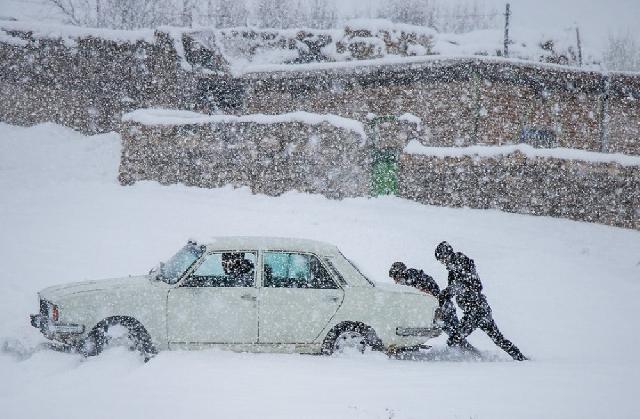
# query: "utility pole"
{"type": "Point", "coordinates": [187, 13]}
{"type": "Point", "coordinates": [507, 13]}
{"type": "Point", "coordinates": [98, 15]}
{"type": "Point", "coordinates": [579, 46]}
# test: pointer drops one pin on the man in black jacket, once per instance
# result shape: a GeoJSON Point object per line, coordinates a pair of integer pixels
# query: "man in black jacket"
{"type": "Point", "coordinates": [464, 284]}
{"type": "Point", "coordinates": [425, 283]}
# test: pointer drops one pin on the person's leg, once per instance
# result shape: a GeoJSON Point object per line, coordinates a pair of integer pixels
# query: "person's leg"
{"type": "Point", "coordinates": [488, 325]}
{"type": "Point", "coordinates": [449, 318]}
{"type": "Point", "coordinates": [451, 325]}
{"type": "Point", "coordinates": [468, 323]}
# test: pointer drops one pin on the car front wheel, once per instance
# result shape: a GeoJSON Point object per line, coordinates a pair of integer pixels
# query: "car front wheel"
{"type": "Point", "coordinates": [118, 332]}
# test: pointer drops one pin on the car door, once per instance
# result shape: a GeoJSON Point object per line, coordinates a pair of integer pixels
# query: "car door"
{"type": "Point", "coordinates": [297, 299]}
{"type": "Point", "coordinates": [216, 303]}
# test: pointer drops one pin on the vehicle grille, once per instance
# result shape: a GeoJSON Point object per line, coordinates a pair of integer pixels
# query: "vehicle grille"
{"type": "Point", "coordinates": [44, 308]}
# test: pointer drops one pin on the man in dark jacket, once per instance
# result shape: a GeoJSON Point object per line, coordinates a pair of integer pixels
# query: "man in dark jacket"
{"type": "Point", "coordinates": [425, 283]}
{"type": "Point", "coordinates": [464, 284]}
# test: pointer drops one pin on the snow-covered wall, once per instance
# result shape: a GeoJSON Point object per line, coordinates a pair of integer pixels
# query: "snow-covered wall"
{"type": "Point", "coordinates": [87, 79]}
{"type": "Point", "coordinates": [470, 101]}
{"type": "Point", "coordinates": [339, 157]}
{"type": "Point", "coordinates": [248, 49]}
{"type": "Point", "coordinates": [271, 154]}
{"type": "Point", "coordinates": [593, 187]}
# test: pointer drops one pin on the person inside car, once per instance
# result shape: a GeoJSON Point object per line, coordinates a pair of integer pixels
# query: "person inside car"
{"type": "Point", "coordinates": [239, 271]}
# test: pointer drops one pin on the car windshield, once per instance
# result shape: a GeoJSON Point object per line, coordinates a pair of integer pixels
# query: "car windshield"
{"type": "Point", "coordinates": [171, 270]}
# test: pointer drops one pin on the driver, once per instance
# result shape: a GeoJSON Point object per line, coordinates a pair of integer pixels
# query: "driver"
{"type": "Point", "coordinates": [239, 271]}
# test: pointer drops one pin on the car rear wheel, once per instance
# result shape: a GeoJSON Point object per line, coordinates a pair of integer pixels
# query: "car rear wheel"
{"type": "Point", "coordinates": [350, 341]}
{"type": "Point", "coordinates": [350, 337]}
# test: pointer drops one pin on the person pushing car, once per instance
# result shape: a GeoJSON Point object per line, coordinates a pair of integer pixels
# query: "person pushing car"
{"type": "Point", "coordinates": [464, 284]}
{"type": "Point", "coordinates": [425, 283]}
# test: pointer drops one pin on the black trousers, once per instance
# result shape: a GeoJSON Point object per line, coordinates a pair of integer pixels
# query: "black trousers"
{"type": "Point", "coordinates": [480, 317]}
{"type": "Point", "coordinates": [452, 324]}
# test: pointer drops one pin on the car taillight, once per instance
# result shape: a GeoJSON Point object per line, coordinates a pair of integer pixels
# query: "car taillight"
{"type": "Point", "coordinates": [54, 313]}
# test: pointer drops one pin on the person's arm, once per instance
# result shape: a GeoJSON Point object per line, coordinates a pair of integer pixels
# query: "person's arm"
{"type": "Point", "coordinates": [444, 296]}
{"type": "Point", "coordinates": [429, 284]}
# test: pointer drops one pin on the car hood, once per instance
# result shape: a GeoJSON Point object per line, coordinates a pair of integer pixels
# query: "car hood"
{"type": "Point", "coordinates": [56, 292]}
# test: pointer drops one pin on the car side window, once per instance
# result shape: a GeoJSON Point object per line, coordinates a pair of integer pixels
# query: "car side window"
{"type": "Point", "coordinates": [224, 269]}
{"type": "Point", "coordinates": [295, 270]}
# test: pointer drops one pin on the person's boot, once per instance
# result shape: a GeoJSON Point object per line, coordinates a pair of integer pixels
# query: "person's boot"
{"type": "Point", "coordinates": [467, 347]}
{"type": "Point", "coordinates": [517, 355]}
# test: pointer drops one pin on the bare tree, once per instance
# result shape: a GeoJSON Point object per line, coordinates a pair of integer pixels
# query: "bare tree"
{"type": "Point", "coordinates": [272, 13]}
{"type": "Point", "coordinates": [228, 13]}
{"type": "Point", "coordinates": [445, 16]}
{"type": "Point", "coordinates": [322, 14]}
{"type": "Point", "coordinates": [415, 12]}
{"type": "Point", "coordinates": [117, 14]}
{"type": "Point", "coordinates": [77, 12]}
{"type": "Point", "coordinates": [622, 53]}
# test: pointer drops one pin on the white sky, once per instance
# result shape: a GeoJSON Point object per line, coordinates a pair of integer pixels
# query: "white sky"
{"type": "Point", "coordinates": [596, 18]}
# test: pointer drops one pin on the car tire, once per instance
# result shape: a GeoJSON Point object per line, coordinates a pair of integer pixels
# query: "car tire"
{"type": "Point", "coordinates": [354, 335]}
{"type": "Point", "coordinates": [119, 331]}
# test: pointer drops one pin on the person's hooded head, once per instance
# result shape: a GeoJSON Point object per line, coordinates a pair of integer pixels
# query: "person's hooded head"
{"type": "Point", "coordinates": [444, 254]}
{"type": "Point", "coordinates": [397, 272]}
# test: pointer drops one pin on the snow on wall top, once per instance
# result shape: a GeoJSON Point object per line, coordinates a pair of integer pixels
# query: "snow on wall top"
{"type": "Point", "coordinates": [378, 41]}
{"type": "Point", "coordinates": [416, 148]}
{"type": "Point", "coordinates": [359, 43]}
{"type": "Point", "coordinates": [414, 62]}
{"type": "Point", "coordinates": [376, 25]}
{"type": "Point", "coordinates": [12, 40]}
{"type": "Point", "coordinates": [156, 116]}
{"type": "Point", "coordinates": [40, 30]}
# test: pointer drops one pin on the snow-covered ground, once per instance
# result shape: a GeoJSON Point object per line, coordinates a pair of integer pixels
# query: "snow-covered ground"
{"type": "Point", "coordinates": [565, 292]}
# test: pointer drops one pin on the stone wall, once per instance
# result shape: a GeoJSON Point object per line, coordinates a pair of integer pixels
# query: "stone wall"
{"type": "Point", "coordinates": [605, 193]}
{"type": "Point", "coordinates": [338, 162]}
{"type": "Point", "coordinates": [269, 158]}
{"type": "Point", "coordinates": [464, 102]}
{"type": "Point", "coordinates": [86, 82]}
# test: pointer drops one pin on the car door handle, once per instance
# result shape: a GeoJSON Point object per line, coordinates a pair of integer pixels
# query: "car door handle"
{"type": "Point", "coordinates": [333, 299]}
{"type": "Point", "coordinates": [248, 297]}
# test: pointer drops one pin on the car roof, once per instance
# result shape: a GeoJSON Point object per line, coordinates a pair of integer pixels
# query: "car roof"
{"type": "Point", "coordinates": [271, 243]}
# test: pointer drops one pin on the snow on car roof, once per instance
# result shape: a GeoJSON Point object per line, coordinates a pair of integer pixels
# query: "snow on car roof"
{"type": "Point", "coordinates": [270, 243]}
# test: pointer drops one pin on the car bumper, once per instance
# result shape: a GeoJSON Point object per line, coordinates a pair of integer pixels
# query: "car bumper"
{"type": "Point", "coordinates": [423, 332]}
{"type": "Point", "coordinates": [54, 329]}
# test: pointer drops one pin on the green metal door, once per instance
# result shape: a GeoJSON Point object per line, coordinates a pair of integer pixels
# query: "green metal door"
{"type": "Point", "coordinates": [384, 174]}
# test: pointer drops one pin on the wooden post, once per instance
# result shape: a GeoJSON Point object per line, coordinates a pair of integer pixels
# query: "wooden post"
{"type": "Point", "coordinates": [579, 46]}
{"type": "Point", "coordinates": [476, 80]}
{"type": "Point", "coordinates": [604, 115]}
{"type": "Point", "coordinates": [507, 13]}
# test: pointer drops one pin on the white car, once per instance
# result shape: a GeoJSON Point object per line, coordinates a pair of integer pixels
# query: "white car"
{"type": "Point", "coordinates": [244, 294]}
